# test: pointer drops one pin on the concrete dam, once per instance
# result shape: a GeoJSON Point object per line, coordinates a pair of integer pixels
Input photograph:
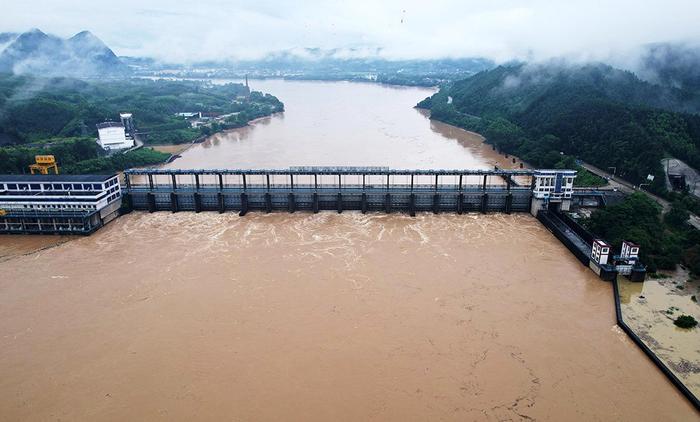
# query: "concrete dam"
{"type": "Point", "coordinates": [365, 189]}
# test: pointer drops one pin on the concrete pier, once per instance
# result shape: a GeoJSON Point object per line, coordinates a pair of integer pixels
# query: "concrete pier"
{"type": "Point", "coordinates": [268, 202]}
{"type": "Point", "coordinates": [222, 203]}
{"type": "Point", "coordinates": [244, 204]}
{"type": "Point", "coordinates": [151, 202]}
{"type": "Point", "coordinates": [291, 202]}
{"type": "Point", "coordinates": [197, 202]}
{"type": "Point", "coordinates": [173, 202]}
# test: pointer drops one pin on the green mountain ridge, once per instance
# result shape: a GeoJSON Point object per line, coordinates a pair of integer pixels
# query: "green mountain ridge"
{"type": "Point", "coordinates": [597, 113]}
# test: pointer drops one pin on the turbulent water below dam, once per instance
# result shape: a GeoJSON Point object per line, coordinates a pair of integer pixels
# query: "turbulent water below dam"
{"type": "Point", "coordinates": [323, 316]}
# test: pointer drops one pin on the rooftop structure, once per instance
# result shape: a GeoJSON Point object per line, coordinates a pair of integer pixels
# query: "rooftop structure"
{"type": "Point", "coordinates": [105, 125]}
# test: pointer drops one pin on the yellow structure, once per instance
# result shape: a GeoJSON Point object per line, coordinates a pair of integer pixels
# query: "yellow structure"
{"type": "Point", "coordinates": [2, 213]}
{"type": "Point", "coordinates": [43, 164]}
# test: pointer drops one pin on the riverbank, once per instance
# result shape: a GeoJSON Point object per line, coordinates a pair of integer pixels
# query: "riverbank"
{"type": "Point", "coordinates": [650, 308]}
{"type": "Point", "coordinates": [176, 149]}
{"type": "Point", "coordinates": [474, 142]}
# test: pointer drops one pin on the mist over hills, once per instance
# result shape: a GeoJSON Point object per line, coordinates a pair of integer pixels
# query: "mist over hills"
{"type": "Point", "coordinates": [314, 63]}
{"type": "Point", "coordinates": [676, 65]}
{"type": "Point", "coordinates": [36, 53]}
{"type": "Point", "coordinates": [6, 38]}
{"type": "Point", "coordinates": [672, 65]}
{"type": "Point", "coordinates": [606, 116]}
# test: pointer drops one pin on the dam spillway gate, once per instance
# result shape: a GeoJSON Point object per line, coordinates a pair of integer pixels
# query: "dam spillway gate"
{"type": "Point", "coordinates": [366, 189]}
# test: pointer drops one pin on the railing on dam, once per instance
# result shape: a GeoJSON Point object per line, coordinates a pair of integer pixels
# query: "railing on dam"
{"type": "Point", "coordinates": [329, 188]}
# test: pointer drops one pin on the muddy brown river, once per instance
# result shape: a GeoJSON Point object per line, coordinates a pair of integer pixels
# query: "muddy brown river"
{"type": "Point", "coordinates": [318, 317]}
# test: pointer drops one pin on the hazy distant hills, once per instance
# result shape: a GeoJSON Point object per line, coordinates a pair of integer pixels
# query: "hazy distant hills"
{"type": "Point", "coordinates": [348, 64]}
{"type": "Point", "coordinates": [37, 53]}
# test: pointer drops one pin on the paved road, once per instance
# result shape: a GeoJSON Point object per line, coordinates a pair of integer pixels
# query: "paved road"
{"type": "Point", "coordinates": [624, 186]}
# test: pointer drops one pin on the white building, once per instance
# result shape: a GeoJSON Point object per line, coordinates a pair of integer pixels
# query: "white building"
{"type": "Point", "coordinates": [58, 192]}
{"type": "Point", "coordinates": [629, 250]}
{"type": "Point", "coordinates": [58, 203]}
{"type": "Point", "coordinates": [600, 251]}
{"type": "Point", "coordinates": [552, 187]}
{"type": "Point", "coordinates": [112, 135]}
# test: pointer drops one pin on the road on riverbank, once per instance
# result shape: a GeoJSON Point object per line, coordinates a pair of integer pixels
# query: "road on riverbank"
{"type": "Point", "coordinates": [629, 188]}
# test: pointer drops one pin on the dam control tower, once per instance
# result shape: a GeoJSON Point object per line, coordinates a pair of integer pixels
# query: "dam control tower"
{"type": "Point", "coordinates": [552, 189]}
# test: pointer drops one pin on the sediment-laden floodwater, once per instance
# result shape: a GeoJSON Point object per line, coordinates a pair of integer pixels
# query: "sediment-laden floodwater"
{"type": "Point", "coordinates": [319, 317]}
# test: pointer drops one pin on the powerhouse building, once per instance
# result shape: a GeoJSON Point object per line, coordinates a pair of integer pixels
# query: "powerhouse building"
{"type": "Point", "coordinates": [112, 135]}
{"type": "Point", "coordinates": [58, 203]}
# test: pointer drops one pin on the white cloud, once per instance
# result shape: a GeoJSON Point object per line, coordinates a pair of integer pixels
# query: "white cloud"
{"type": "Point", "coordinates": [499, 29]}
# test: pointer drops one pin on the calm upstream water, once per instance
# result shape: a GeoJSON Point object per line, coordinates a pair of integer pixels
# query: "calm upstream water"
{"type": "Point", "coordinates": [319, 317]}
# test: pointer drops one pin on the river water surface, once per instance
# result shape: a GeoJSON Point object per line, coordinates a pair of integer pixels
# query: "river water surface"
{"type": "Point", "coordinates": [341, 124]}
{"type": "Point", "coordinates": [319, 316]}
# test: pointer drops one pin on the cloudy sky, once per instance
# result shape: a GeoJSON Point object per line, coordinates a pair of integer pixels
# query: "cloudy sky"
{"type": "Point", "coordinates": [498, 29]}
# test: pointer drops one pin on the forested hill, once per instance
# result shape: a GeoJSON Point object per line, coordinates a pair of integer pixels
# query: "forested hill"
{"type": "Point", "coordinates": [35, 109]}
{"type": "Point", "coordinates": [58, 116]}
{"type": "Point", "coordinates": [596, 113]}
